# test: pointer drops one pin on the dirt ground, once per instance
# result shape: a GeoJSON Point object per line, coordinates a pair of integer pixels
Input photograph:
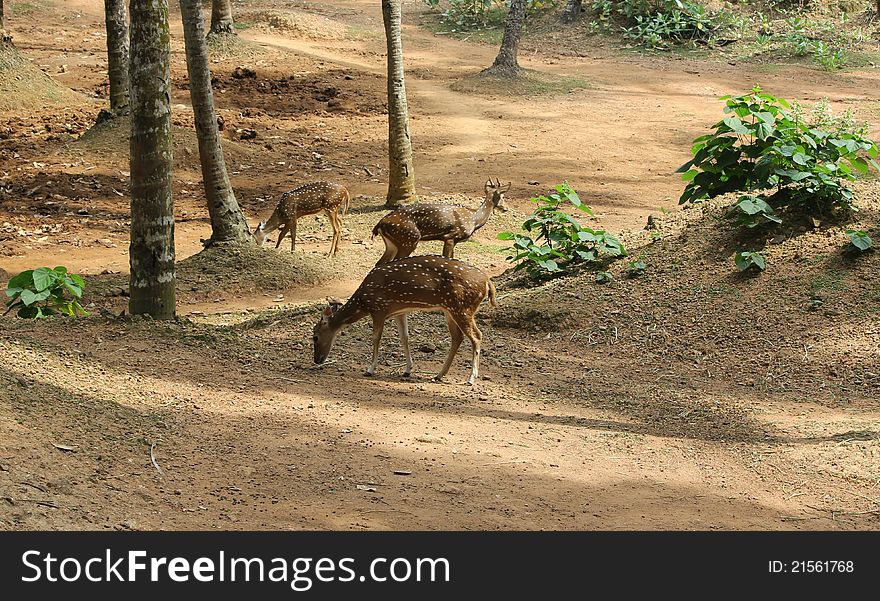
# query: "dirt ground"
{"type": "Point", "coordinates": [689, 399]}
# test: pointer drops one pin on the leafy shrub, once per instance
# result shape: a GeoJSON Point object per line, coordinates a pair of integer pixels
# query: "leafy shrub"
{"type": "Point", "coordinates": [747, 259]}
{"type": "Point", "coordinates": [555, 241]}
{"type": "Point", "coordinates": [636, 268]}
{"type": "Point", "coordinates": [470, 15]}
{"type": "Point", "coordinates": [764, 145]}
{"type": "Point", "coordinates": [604, 277]}
{"type": "Point", "coordinates": [43, 292]}
{"type": "Point", "coordinates": [859, 241]}
{"type": "Point", "coordinates": [657, 24]}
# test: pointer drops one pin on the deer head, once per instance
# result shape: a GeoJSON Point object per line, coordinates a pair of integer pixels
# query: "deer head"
{"type": "Point", "coordinates": [495, 191]}
{"type": "Point", "coordinates": [324, 334]}
{"type": "Point", "coordinates": [260, 233]}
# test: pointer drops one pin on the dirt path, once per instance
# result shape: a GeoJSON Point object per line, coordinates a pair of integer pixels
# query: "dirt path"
{"type": "Point", "coordinates": [560, 432]}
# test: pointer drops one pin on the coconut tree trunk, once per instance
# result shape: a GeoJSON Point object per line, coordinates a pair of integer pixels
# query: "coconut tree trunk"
{"type": "Point", "coordinates": [401, 177]}
{"type": "Point", "coordinates": [221, 17]}
{"type": "Point", "coordinates": [572, 11]}
{"type": "Point", "coordinates": [227, 221]}
{"type": "Point", "coordinates": [151, 252]}
{"type": "Point", "coordinates": [116, 17]}
{"type": "Point", "coordinates": [505, 63]}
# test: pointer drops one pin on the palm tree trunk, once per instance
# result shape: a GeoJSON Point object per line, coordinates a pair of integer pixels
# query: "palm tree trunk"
{"type": "Point", "coordinates": [401, 177]}
{"type": "Point", "coordinates": [506, 63]}
{"type": "Point", "coordinates": [116, 18]}
{"type": "Point", "coordinates": [151, 252]}
{"type": "Point", "coordinates": [573, 10]}
{"type": "Point", "coordinates": [227, 221]}
{"type": "Point", "coordinates": [221, 17]}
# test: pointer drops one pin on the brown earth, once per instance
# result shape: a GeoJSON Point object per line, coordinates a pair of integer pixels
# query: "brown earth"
{"type": "Point", "coordinates": [690, 398]}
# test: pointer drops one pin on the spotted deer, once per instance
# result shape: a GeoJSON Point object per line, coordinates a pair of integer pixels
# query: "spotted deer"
{"type": "Point", "coordinates": [308, 199]}
{"type": "Point", "coordinates": [403, 228]}
{"type": "Point", "coordinates": [397, 288]}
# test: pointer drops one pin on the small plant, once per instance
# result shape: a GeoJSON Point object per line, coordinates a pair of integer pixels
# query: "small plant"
{"type": "Point", "coordinates": [42, 292]}
{"type": "Point", "coordinates": [555, 241]}
{"type": "Point", "coordinates": [604, 277]}
{"type": "Point", "coordinates": [748, 259]}
{"type": "Point", "coordinates": [752, 211]}
{"type": "Point", "coordinates": [765, 145]}
{"type": "Point", "coordinates": [859, 241]}
{"type": "Point", "coordinates": [636, 268]}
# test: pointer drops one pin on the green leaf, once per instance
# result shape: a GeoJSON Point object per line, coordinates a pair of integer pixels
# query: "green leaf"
{"type": "Point", "coordinates": [28, 297]}
{"type": "Point", "coordinates": [860, 239]}
{"type": "Point", "coordinates": [689, 175]}
{"type": "Point", "coordinates": [736, 125]}
{"type": "Point", "coordinates": [44, 278]}
{"type": "Point", "coordinates": [549, 265]}
{"type": "Point", "coordinates": [505, 236]}
{"type": "Point", "coordinates": [23, 280]}
{"type": "Point", "coordinates": [860, 164]}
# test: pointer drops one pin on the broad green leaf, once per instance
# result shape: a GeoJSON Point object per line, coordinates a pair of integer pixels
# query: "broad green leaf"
{"type": "Point", "coordinates": [23, 280]}
{"type": "Point", "coordinates": [44, 278]}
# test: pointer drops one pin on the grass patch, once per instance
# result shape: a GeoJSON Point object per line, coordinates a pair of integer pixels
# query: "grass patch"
{"type": "Point", "coordinates": [829, 280]}
{"type": "Point", "coordinates": [528, 83]}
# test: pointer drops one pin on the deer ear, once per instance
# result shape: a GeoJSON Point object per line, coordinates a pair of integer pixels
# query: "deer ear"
{"type": "Point", "coordinates": [489, 184]}
{"type": "Point", "coordinates": [507, 187]}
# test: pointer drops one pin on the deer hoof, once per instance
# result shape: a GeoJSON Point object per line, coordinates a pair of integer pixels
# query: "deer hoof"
{"type": "Point", "coordinates": [407, 374]}
{"type": "Point", "coordinates": [369, 373]}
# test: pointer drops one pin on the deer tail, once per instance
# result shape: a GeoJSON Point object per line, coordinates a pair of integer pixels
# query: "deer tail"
{"type": "Point", "coordinates": [490, 287]}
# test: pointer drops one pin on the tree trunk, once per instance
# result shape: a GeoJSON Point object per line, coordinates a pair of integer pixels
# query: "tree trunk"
{"type": "Point", "coordinates": [573, 10]}
{"type": "Point", "coordinates": [151, 252]}
{"type": "Point", "coordinates": [221, 17]}
{"type": "Point", "coordinates": [227, 221]}
{"type": "Point", "coordinates": [3, 22]}
{"type": "Point", "coordinates": [401, 177]}
{"type": "Point", "coordinates": [116, 18]}
{"type": "Point", "coordinates": [505, 63]}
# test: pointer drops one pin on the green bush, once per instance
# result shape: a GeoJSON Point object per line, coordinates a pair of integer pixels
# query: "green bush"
{"type": "Point", "coordinates": [657, 24]}
{"type": "Point", "coordinates": [555, 242]}
{"type": "Point", "coordinates": [43, 292]}
{"type": "Point", "coordinates": [747, 259]}
{"type": "Point", "coordinates": [764, 145]}
{"type": "Point", "coordinates": [859, 241]}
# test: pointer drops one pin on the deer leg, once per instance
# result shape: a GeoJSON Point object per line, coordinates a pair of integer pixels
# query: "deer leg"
{"type": "Point", "coordinates": [281, 234]}
{"type": "Point", "coordinates": [378, 326]}
{"type": "Point", "coordinates": [448, 248]}
{"type": "Point", "coordinates": [457, 337]}
{"type": "Point", "coordinates": [336, 224]}
{"type": "Point", "coordinates": [476, 337]}
{"type": "Point", "coordinates": [403, 330]}
{"type": "Point", "coordinates": [293, 235]}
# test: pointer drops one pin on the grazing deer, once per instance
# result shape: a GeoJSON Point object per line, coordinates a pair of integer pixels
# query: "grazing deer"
{"type": "Point", "coordinates": [403, 228]}
{"type": "Point", "coordinates": [308, 199]}
{"type": "Point", "coordinates": [422, 283]}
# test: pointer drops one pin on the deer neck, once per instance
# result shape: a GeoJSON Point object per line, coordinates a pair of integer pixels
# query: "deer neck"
{"type": "Point", "coordinates": [481, 215]}
{"type": "Point", "coordinates": [347, 314]}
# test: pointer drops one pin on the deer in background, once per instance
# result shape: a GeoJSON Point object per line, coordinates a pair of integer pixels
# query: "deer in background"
{"type": "Point", "coordinates": [394, 289]}
{"type": "Point", "coordinates": [307, 199]}
{"type": "Point", "coordinates": [403, 228]}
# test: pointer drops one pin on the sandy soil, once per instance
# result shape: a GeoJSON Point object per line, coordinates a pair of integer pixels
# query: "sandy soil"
{"type": "Point", "coordinates": [671, 402]}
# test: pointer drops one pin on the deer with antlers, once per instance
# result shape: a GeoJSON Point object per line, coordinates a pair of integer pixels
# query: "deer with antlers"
{"type": "Point", "coordinates": [307, 199]}
{"type": "Point", "coordinates": [397, 288]}
{"type": "Point", "coordinates": [403, 228]}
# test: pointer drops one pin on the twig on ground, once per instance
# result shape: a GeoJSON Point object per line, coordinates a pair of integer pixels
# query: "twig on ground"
{"type": "Point", "coordinates": [154, 462]}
